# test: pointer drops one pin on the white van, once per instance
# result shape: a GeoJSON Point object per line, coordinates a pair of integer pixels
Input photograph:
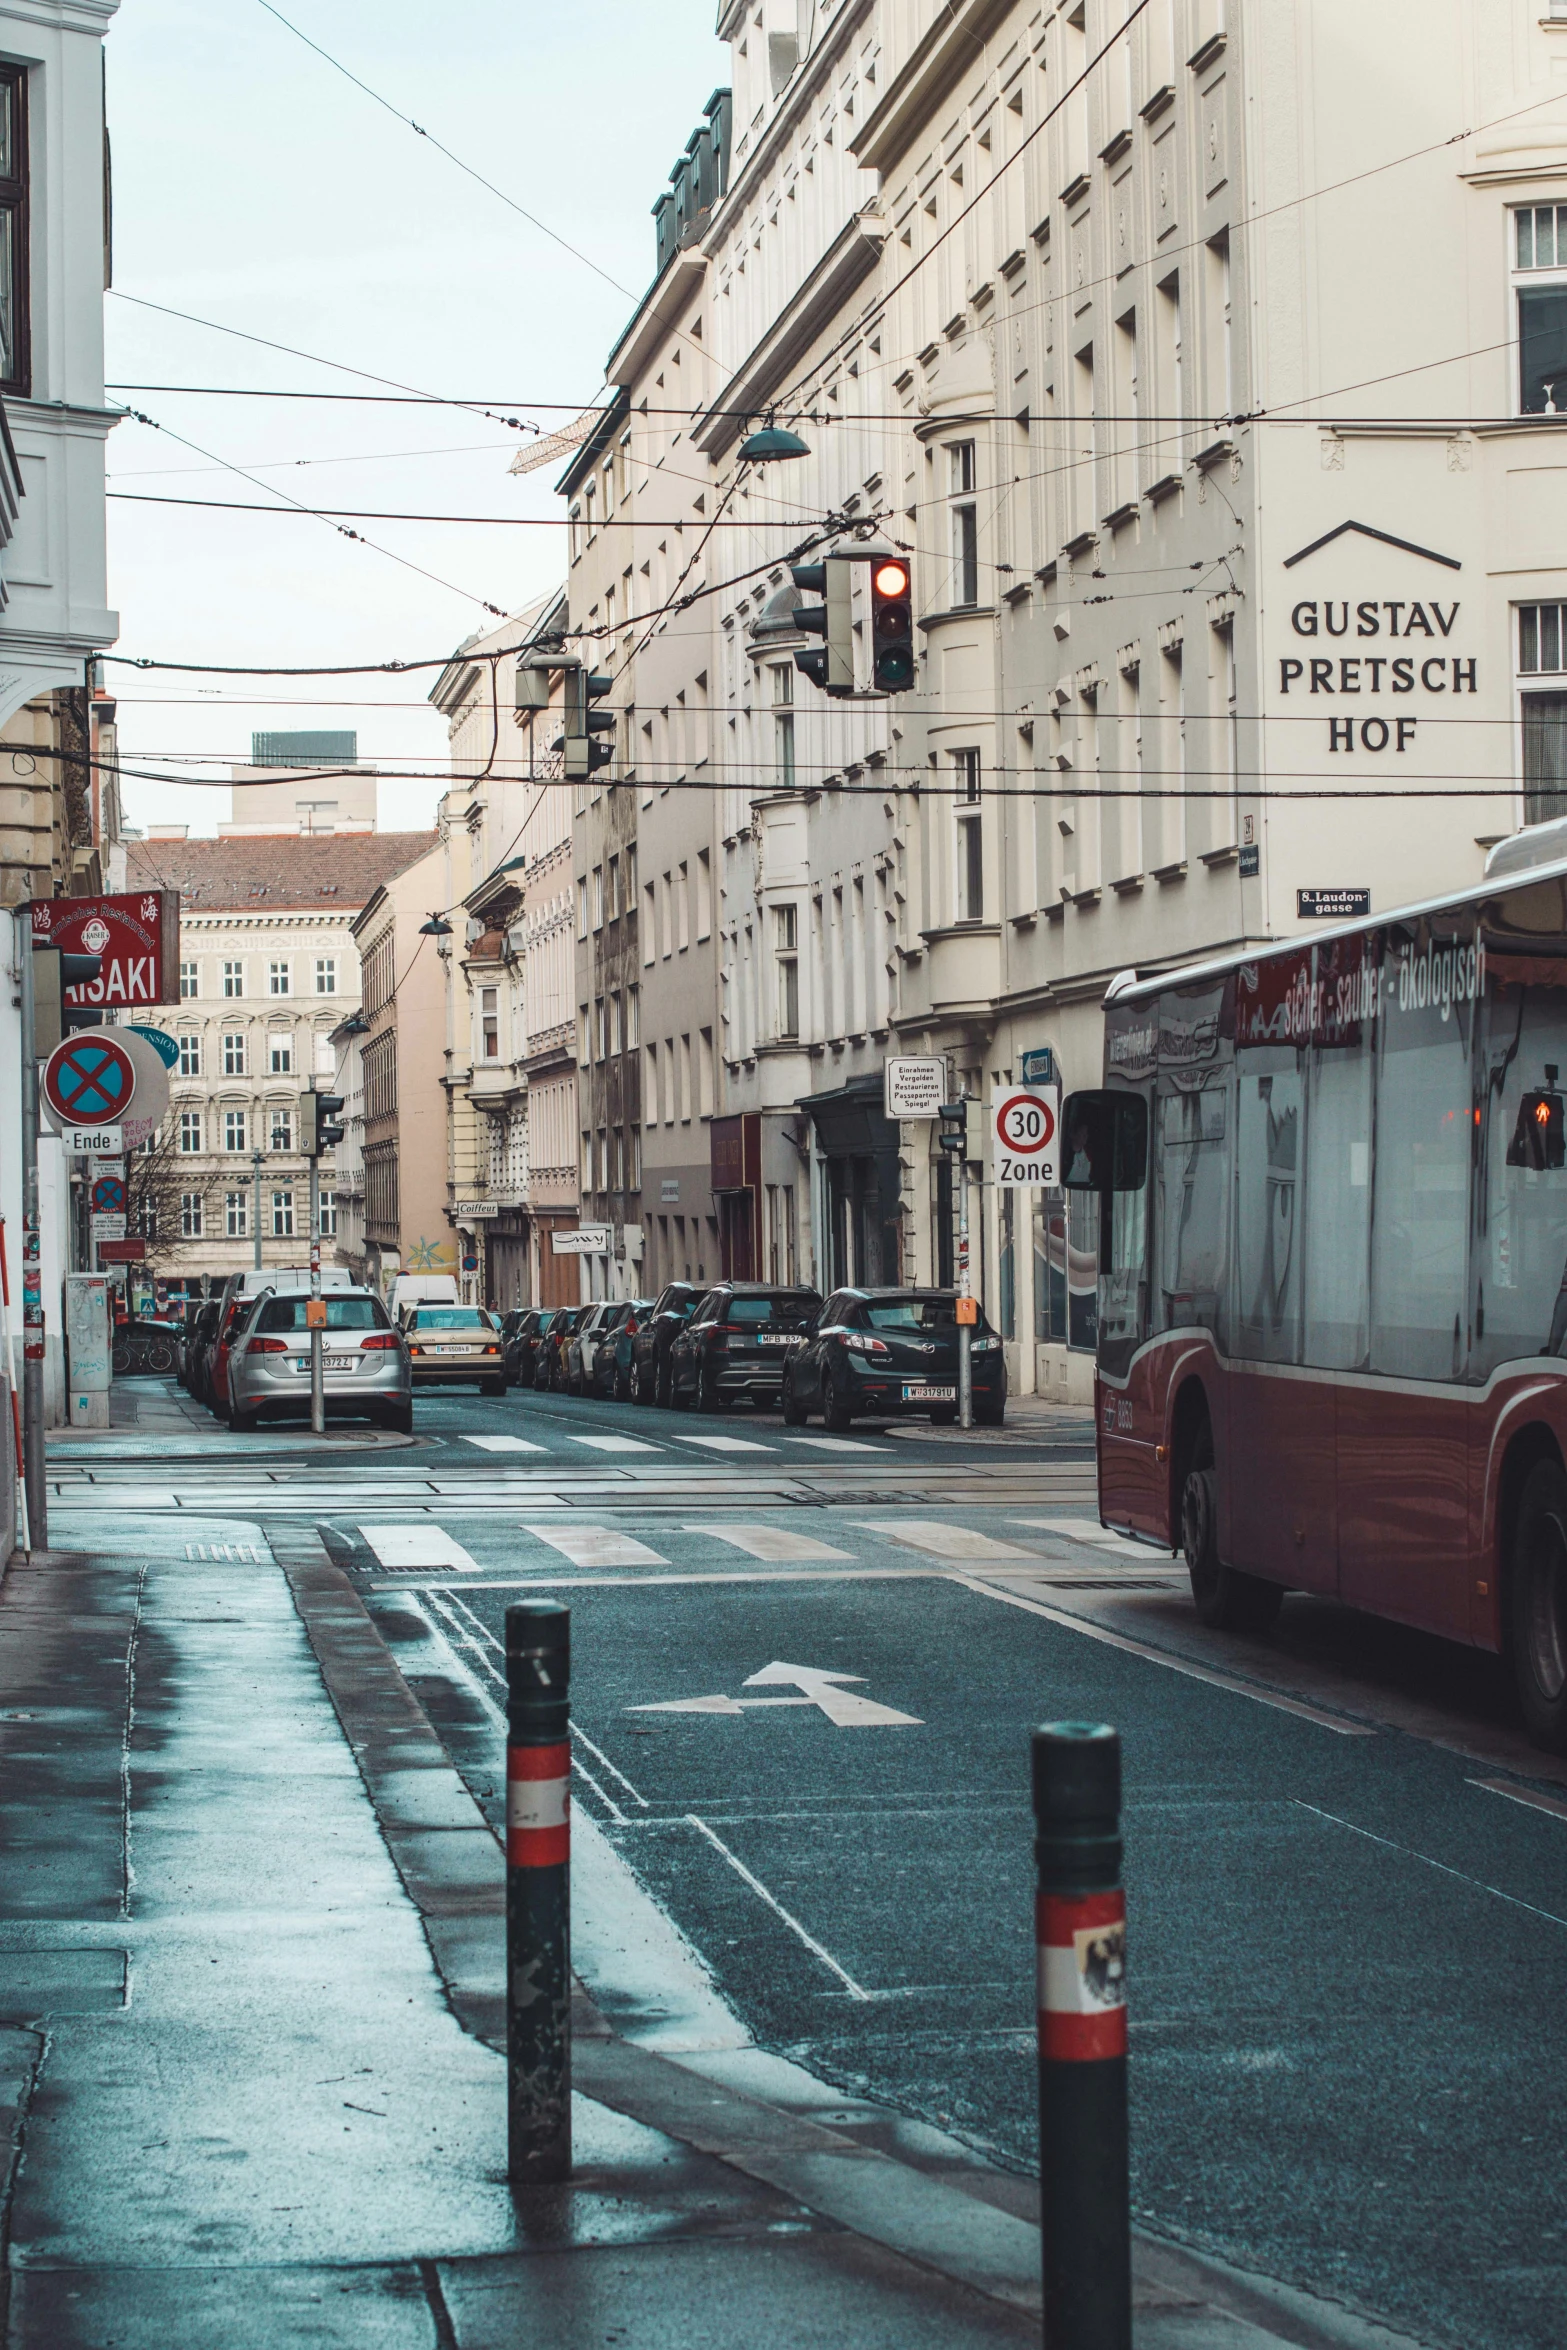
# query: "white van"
{"type": "Point", "coordinates": [422, 1289]}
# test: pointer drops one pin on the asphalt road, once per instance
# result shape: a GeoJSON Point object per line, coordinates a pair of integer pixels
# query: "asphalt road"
{"type": "Point", "coordinates": [1345, 1873]}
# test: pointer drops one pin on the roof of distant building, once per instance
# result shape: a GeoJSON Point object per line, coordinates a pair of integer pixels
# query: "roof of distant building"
{"type": "Point", "coordinates": [321, 748]}
{"type": "Point", "coordinates": [286, 871]}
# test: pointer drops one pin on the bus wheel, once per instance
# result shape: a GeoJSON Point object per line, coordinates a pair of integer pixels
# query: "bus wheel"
{"type": "Point", "coordinates": [1537, 1605]}
{"type": "Point", "coordinates": [1226, 1599]}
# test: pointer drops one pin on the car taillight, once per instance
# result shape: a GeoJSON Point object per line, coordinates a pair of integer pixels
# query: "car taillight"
{"type": "Point", "coordinates": [492, 1350]}
{"type": "Point", "coordinates": [862, 1345]}
{"type": "Point", "coordinates": [379, 1341]}
{"type": "Point", "coordinates": [266, 1346]}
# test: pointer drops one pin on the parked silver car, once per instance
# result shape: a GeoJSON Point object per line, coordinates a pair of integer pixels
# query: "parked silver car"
{"type": "Point", "coordinates": [366, 1372]}
{"type": "Point", "coordinates": [583, 1345]}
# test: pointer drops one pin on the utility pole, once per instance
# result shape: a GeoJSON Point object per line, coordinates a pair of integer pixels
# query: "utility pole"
{"type": "Point", "coordinates": [255, 1161]}
{"type": "Point", "coordinates": [32, 1257]}
{"type": "Point", "coordinates": [318, 1316]}
{"type": "Point", "coordinates": [954, 1141]}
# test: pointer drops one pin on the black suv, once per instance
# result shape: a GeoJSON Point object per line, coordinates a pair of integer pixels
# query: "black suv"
{"type": "Point", "coordinates": [883, 1352]}
{"type": "Point", "coordinates": [737, 1343]}
{"type": "Point", "coordinates": [672, 1309]}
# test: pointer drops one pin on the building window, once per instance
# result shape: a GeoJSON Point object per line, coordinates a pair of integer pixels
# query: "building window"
{"type": "Point", "coordinates": [280, 1130]}
{"type": "Point", "coordinates": [1542, 652]}
{"type": "Point", "coordinates": [233, 1130]}
{"type": "Point", "coordinates": [490, 1023]}
{"type": "Point", "coordinates": [326, 975]}
{"type": "Point", "coordinates": [598, 897]}
{"type": "Point", "coordinates": [970, 892]}
{"type": "Point", "coordinates": [233, 979]}
{"type": "Point", "coordinates": [1539, 258]}
{"type": "Point", "coordinates": [280, 1055]}
{"type": "Point", "coordinates": [277, 979]}
{"type": "Point", "coordinates": [190, 1131]}
{"type": "Point", "coordinates": [613, 889]}
{"type": "Point", "coordinates": [190, 981]}
{"type": "Point", "coordinates": [633, 1018]}
{"type": "Point", "coordinates": [326, 1057]}
{"type": "Point", "coordinates": [965, 524]}
{"type": "Point", "coordinates": [282, 1215]}
{"type": "Point", "coordinates": [236, 1214]}
{"type": "Point", "coordinates": [234, 1054]}
{"type": "Point", "coordinates": [783, 725]}
{"type": "Point", "coordinates": [327, 1206]}
{"type": "Point", "coordinates": [190, 1056]}
{"type": "Point", "coordinates": [582, 905]}
{"type": "Point", "coordinates": [786, 952]}
{"type": "Point", "coordinates": [15, 338]}
{"type": "Point", "coordinates": [190, 1215]}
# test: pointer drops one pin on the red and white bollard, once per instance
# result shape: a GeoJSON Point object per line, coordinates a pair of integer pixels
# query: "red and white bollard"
{"type": "Point", "coordinates": [1080, 1931]}
{"type": "Point", "coordinates": [538, 1892]}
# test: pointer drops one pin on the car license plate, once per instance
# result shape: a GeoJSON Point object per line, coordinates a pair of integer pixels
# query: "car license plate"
{"type": "Point", "coordinates": [930, 1395]}
{"type": "Point", "coordinates": [329, 1363]}
{"type": "Point", "coordinates": [778, 1338]}
{"type": "Point", "coordinates": [447, 1350]}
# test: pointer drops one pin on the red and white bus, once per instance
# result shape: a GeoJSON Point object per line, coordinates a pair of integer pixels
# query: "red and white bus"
{"type": "Point", "coordinates": [1332, 1346]}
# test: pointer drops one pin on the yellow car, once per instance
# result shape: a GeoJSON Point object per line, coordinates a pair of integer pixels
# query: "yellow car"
{"type": "Point", "coordinates": [450, 1346]}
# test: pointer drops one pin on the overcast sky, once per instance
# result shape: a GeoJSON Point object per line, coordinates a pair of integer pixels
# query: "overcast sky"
{"type": "Point", "coordinates": [254, 186]}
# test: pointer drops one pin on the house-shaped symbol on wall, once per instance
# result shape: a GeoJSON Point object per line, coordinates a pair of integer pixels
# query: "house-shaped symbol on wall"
{"type": "Point", "coordinates": [1384, 537]}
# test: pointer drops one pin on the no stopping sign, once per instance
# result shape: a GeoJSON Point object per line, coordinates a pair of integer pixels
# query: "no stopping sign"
{"type": "Point", "coordinates": [1025, 1139]}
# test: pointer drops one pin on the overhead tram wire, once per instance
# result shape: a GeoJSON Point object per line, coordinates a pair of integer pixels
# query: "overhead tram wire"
{"type": "Point", "coordinates": [484, 521]}
{"type": "Point", "coordinates": [450, 585]}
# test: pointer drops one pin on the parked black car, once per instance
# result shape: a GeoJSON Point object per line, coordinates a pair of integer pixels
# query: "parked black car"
{"type": "Point", "coordinates": [523, 1344]}
{"type": "Point", "coordinates": [884, 1352]}
{"type": "Point", "coordinates": [737, 1343]}
{"type": "Point", "coordinates": [676, 1302]}
{"type": "Point", "coordinates": [511, 1326]}
{"type": "Point", "coordinates": [612, 1358]}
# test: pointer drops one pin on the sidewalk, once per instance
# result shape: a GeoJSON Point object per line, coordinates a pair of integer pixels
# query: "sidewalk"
{"type": "Point", "coordinates": [250, 2021]}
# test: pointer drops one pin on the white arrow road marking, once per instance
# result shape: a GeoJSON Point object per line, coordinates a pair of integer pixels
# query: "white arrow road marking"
{"type": "Point", "coordinates": [598, 1546]}
{"type": "Point", "coordinates": [824, 1690]}
{"type": "Point", "coordinates": [504, 1444]}
{"type": "Point", "coordinates": [771, 1542]}
{"type": "Point", "coordinates": [417, 1546]}
{"type": "Point", "coordinates": [945, 1542]}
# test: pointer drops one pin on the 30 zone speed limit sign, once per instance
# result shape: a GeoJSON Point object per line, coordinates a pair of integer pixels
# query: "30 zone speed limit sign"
{"type": "Point", "coordinates": [1025, 1141]}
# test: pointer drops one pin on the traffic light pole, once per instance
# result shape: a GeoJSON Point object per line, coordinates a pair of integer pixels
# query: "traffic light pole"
{"type": "Point", "coordinates": [317, 1337]}
{"type": "Point", "coordinates": [965, 1293]}
{"type": "Point", "coordinates": [32, 1258]}
{"type": "Point", "coordinates": [255, 1161]}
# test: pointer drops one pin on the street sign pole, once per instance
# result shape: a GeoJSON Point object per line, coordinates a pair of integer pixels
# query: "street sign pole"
{"type": "Point", "coordinates": [255, 1161]}
{"type": "Point", "coordinates": [317, 1341]}
{"type": "Point", "coordinates": [965, 1324]}
{"type": "Point", "coordinates": [32, 1259]}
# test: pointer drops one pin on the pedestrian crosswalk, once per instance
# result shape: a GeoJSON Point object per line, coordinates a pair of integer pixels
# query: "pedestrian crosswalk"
{"type": "Point", "coordinates": [504, 1444]}
{"type": "Point", "coordinates": [533, 1547]}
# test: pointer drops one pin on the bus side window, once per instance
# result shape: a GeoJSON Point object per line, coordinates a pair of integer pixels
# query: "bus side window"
{"type": "Point", "coordinates": [1194, 1199]}
{"type": "Point", "coordinates": [1270, 1113]}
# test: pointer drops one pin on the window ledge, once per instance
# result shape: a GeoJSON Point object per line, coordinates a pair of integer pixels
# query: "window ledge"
{"type": "Point", "coordinates": [1175, 872]}
{"type": "Point", "coordinates": [1119, 516]}
{"type": "Point", "coordinates": [1128, 885]}
{"type": "Point", "coordinates": [1214, 454]}
{"type": "Point", "coordinates": [1224, 856]}
{"type": "Point", "coordinates": [1165, 487]}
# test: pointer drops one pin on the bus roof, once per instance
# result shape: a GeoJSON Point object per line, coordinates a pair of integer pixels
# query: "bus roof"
{"type": "Point", "coordinates": [1129, 986]}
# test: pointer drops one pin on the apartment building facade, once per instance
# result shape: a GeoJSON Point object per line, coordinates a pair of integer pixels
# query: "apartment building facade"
{"type": "Point", "coordinates": [268, 969]}
{"type": "Point", "coordinates": [1078, 310]}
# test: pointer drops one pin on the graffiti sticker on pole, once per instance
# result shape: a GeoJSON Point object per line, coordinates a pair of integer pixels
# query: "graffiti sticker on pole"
{"type": "Point", "coordinates": [1025, 1146]}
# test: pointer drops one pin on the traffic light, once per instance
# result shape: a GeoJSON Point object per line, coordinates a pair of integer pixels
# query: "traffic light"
{"type": "Point", "coordinates": [892, 625]}
{"type": "Point", "coordinates": [584, 756]}
{"type": "Point", "coordinates": [53, 973]}
{"type": "Point", "coordinates": [832, 666]}
{"type": "Point", "coordinates": [318, 1128]}
{"type": "Point", "coordinates": [1540, 1136]}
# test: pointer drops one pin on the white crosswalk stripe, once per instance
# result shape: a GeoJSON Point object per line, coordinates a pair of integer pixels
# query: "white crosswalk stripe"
{"type": "Point", "coordinates": [417, 1546]}
{"type": "Point", "coordinates": [1090, 1530]}
{"type": "Point", "coordinates": [945, 1542]}
{"type": "Point", "coordinates": [616, 1443]}
{"type": "Point", "coordinates": [598, 1546]}
{"type": "Point", "coordinates": [772, 1542]}
{"type": "Point", "coordinates": [830, 1443]}
{"type": "Point", "coordinates": [726, 1443]}
{"type": "Point", "coordinates": [505, 1444]}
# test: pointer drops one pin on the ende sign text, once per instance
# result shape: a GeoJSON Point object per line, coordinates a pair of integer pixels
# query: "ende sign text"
{"type": "Point", "coordinates": [1421, 670]}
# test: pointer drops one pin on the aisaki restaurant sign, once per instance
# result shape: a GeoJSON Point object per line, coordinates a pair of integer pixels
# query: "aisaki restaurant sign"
{"type": "Point", "coordinates": [137, 935]}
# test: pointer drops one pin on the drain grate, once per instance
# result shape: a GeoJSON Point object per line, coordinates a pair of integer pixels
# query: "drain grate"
{"type": "Point", "coordinates": [232, 1553]}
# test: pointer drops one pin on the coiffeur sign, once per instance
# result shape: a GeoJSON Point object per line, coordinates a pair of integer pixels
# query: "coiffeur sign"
{"type": "Point", "coordinates": [137, 936]}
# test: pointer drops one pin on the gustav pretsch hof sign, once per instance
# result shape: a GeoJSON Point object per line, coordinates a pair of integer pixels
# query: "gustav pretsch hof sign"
{"type": "Point", "coordinates": [1375, 665]}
